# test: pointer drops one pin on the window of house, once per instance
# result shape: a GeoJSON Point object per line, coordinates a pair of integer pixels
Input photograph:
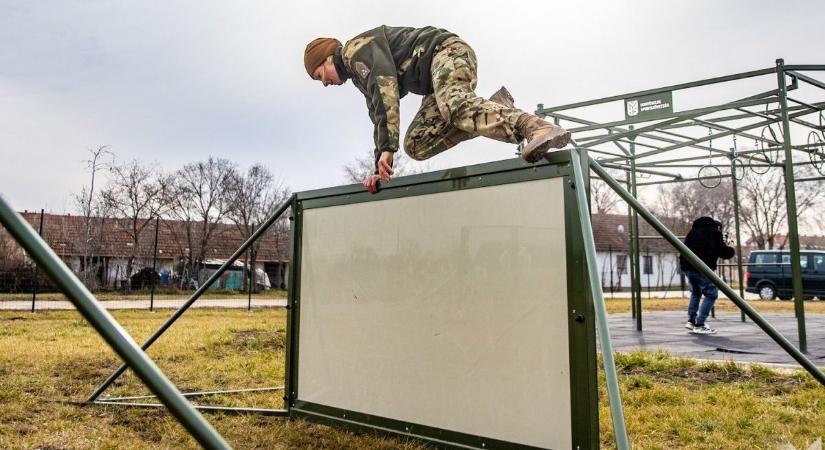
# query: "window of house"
{"type": "Point", "coordinates": [647, 262]}
{"type": "Point", "coordinates": [621, 264]}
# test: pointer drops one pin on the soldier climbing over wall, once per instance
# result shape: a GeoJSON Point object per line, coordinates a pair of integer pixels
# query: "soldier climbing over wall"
{"type": "Point", "coordinates": [386, 63]}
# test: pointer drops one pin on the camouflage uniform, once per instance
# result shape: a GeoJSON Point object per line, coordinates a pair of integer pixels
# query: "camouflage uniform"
{"type": "Point", "coordinates": [453, 112]}
{"type": "Point", "coordinates": [388, 62]}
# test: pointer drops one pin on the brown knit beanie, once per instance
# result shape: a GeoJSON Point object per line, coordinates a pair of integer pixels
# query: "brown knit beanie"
{"type": "Point", "coordinates": [317, 51]}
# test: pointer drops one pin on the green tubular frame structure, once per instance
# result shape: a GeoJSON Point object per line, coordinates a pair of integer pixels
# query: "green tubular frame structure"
{"type": "Point", "coordinates": [110, 330]}
{"type": "Point", "coordinates": [659, 135]}
{"type": "Point", "coordinates": [806, 363]}
{"type": "Point", "coordinates": [214, 277]}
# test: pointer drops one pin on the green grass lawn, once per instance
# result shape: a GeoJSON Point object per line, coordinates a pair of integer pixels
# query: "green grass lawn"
{"type": "Point", "coordinates": [50, 358]}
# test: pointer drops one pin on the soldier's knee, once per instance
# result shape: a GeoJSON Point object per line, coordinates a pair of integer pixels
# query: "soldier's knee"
{"type": "Point", "coordinates": [412, 150]}
{"type": "Point", "coordinates": [416, 154]}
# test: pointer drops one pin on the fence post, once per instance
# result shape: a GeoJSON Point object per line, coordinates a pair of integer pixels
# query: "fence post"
{"type": "Point", "coordinates": [251, 273]}
{"type": "Point", "coordinates": [36, 280]}
{"type": "Point", "coordinates": [154, 267]}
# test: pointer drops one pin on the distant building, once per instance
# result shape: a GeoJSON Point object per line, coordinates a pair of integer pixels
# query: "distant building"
{"type": "Point", "coordinates": [659, 261]}
{"type": "Point", "coordinates": [109, 247]}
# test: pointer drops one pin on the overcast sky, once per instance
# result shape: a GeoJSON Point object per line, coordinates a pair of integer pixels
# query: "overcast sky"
{"type": "Point", "coordinates": [178, 81]}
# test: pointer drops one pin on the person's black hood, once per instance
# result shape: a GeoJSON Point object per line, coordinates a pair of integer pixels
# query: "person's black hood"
{"type": "Point", "coordinates": [705, 222]}
{"type": "Point", "coordinates": [706, 241]}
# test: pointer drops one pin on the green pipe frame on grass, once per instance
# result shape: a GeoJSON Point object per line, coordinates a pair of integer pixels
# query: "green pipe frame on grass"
{"type": "Point", "coordinates": [110, 330]}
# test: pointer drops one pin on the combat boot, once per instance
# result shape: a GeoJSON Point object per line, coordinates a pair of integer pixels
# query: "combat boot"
{"type": "Point", "coordinates": [503, 98]}
{"type": "Point", "coordinates": [541, 136]}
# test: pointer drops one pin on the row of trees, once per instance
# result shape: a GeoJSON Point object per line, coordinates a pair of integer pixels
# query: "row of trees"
{"type": "Point", "coordinates": [203, 194]}
{"type": "Point", "coordinates": [762, 204]}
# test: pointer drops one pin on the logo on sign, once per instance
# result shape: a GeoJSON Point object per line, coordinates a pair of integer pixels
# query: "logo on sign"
{"type": "Point", "coordinates": [632, 108]}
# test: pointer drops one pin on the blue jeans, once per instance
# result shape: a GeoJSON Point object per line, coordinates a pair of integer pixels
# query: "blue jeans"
{"type": "Point", "coordinates": [699, 284]}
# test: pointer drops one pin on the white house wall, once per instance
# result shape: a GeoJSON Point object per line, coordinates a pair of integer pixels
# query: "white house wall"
{"type": "Point", "coordinates": [665, 270]}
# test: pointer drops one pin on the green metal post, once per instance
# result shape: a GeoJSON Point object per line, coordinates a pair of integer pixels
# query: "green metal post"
{"type": "Point", "coordinates": [36, 280]}
{"type": "Point", "coordinates": [629, 263]}
{"type": "Point", "coordinates": [154, 267]}
{"type": "Point", "coordinates": [735, 188]}
{"type": "Point", "coordinates": [110, 330]}
{"type": "Point", "coordinates": [694, 260]}
{"type": "Point", "coordinates": [790, 193]}
{"type": "Point", "coordinates": [203, 287]}
{"type": "Point", "coordinates": [636, 282]}
{"type": "Point", "coordinates": [611, 378]}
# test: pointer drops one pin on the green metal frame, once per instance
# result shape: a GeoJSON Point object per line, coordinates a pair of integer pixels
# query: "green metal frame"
{"type": "Point", "coordinates": [711, 275]}
{"type": "Point", "coordinates": [110, 330]}
{"type": "Point", "coordinates": [583, 366]}
{"type": "Point", "coordinates": [669, 132]}
{"type": "Point", "coordinates": [179, 312]}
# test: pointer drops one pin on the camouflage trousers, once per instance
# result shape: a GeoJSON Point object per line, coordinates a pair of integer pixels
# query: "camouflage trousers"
{"type": "Point", "coordinates": [453, 113]}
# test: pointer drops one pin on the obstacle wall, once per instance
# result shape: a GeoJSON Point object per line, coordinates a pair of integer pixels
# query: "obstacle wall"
{"type": "Point", "coordinates": [443, 312]}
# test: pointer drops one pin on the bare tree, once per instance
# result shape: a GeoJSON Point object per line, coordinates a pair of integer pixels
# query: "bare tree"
{"type": "Point", "coordinates": [358, 169]}
{"type": "Point", "coordinates": [602, 198]}
{"type": "Point", "coordinates": [254, 197]}
{"type": "Point", "coordinates": [91, 206]}
{"type": "Point", "coordinates": [138, 193]}
{"type": "Point", "coordinates": [11, 254]}
{"type": "Point", "coordinates": [685, 202]}
{"type": "Point", "coordinates": [764, 205]}
{"type": "Point", "coordinates": [199, 198]}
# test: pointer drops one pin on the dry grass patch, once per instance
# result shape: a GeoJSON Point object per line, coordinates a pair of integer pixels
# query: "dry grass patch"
{"type": "Point", "coordinates": [680, 403]}
{"type": "Point", "coordinates": [49, 358]}
{"type": "Point", "coordinates": [622, 305]}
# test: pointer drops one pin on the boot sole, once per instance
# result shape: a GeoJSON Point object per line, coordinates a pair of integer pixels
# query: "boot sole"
{"type": "Point", "coordinates": [536, 150]}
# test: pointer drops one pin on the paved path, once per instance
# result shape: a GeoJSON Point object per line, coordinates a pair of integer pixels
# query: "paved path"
{"type": "Point", "coordinates": [144, 304]}
{"type": "Point", "coordinates": [733, 341]}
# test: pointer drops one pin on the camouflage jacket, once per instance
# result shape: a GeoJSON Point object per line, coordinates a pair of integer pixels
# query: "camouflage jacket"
{"type": "Point", "coordinates": [384, 64]}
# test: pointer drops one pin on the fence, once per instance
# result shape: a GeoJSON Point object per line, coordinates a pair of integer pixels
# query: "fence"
{"type": "Point", "coordinates": [150, 263]}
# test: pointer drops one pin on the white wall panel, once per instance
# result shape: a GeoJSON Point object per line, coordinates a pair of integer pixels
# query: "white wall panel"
{"type": "Point", "coordinates": [447, 310]}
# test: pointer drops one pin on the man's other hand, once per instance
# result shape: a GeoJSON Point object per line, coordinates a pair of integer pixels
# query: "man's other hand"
{"type": "Point", "coordinates": [384, 173]}
{"type": "Point", "coordinates": [385, 166]}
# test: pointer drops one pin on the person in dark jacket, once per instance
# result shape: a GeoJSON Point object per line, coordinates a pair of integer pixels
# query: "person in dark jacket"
{"type": "Point", "coordinates": [386, 63]}
{"type": "Point", "coordinates": [706, 241]}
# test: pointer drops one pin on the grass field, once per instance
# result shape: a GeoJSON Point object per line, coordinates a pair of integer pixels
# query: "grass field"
{"type": "Point", "coordinates": [50, 358]}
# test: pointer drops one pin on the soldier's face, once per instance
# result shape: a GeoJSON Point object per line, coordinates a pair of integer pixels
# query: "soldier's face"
{"type": "Point", "coordinates": [326, 74]}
